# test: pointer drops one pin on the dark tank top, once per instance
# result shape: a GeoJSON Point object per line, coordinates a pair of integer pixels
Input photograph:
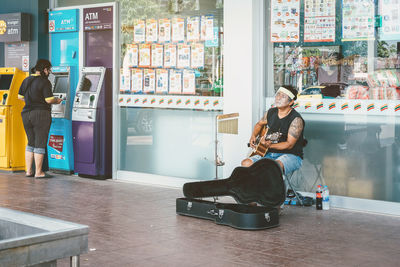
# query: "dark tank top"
{"type": "Point", "coordinates": [275, 124]}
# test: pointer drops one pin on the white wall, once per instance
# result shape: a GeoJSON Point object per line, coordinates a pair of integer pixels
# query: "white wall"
{"type": "Point", "coordinates": [243, 74]}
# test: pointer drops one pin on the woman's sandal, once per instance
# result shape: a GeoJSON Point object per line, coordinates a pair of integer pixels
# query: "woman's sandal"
{"type": "Point", "coordinates": [29, 175]}
{"type": "Point", "coordinates": [44, 176]}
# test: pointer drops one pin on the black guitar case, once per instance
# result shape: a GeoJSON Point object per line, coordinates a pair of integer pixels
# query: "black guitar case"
{"type": "Point", "coordinates": [261, 183]}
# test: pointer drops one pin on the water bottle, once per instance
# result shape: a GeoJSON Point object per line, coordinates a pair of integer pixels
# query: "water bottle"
{"type": "Point", "coordinates": [318, 198]}
{"type": "Point", "coordinates": [325, 198]}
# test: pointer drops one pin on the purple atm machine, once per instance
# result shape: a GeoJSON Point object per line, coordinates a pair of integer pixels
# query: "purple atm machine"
{"type": "Point", "coordinates": [92, 124]}
{"type": "Point", "coordinates": [92, 108]}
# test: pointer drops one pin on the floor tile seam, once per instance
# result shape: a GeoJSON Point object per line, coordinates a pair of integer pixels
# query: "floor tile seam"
{"type": "Point", "coordinates": [278, 245]}
{"type": "Point", "coordinates": [229, 262]}
{"type": "Point", "coordinates": [121, 246]}
{"type": "Point", "coordinates": [330, 258]}
{"type": "Point", "coordinates": [276, 255]}
{"type": "Point", "coordinates": [377, 262]}
{"type": "Point", "coordinates": [179, 255]}
{"type": "Point", "coordinates": [271, 259]}
{"type": "Point", "coordinates": [143, 256]}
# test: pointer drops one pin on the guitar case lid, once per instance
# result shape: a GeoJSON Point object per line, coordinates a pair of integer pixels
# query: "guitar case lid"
{"type": "Point", "coordinates": [262, 183]}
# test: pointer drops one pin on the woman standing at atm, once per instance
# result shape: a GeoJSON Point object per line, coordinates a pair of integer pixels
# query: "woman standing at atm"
{"type": "Point", "coordinates": [37, 93]}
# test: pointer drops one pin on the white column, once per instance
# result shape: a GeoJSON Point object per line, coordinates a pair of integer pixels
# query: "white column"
{"type": "Point", "coordinates": [243, 74]}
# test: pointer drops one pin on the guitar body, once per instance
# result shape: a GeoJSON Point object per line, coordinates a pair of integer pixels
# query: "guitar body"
{"type": "Point", "coordinates": [261, 149]}
{"type": "Point", "coordinates": [261, 183]}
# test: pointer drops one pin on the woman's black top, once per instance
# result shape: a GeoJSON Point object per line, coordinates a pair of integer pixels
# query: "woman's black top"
{"type": "Point", "coordinates": [275, 124]}
{"type": "Point", "coordinates": [35, 90]}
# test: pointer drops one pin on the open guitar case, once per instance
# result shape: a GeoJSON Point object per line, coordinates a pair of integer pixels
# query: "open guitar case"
{"type": "Point", "coordinates": [261, 183]}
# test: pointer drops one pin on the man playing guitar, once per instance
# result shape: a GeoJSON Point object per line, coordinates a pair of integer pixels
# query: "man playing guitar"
{"type": "Point", "coordinates": [285, 122]}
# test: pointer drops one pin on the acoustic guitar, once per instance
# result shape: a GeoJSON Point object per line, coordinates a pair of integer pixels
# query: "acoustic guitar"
{"type": "Point", "coordinates": [261, 149]}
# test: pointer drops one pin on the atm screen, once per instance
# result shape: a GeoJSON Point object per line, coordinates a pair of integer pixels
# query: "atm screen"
{"type": "Point", "coordinates": [61, 84]}
{"type": "Point", "coordinates": [85, 100]}
{"type": "Point", "coordinates": [5, 81]}
{"type": "Point", "coordinates": [90, 82]}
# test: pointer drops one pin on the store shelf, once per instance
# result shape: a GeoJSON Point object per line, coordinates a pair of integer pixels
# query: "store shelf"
{"type": "Point", "coordinates": [345, 106]}
{"type": "Point", "coordinates": [173, 101]}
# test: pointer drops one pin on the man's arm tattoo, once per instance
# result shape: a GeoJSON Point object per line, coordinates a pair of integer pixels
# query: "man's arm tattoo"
{"type": "Point", "coordinates": [296, 127]}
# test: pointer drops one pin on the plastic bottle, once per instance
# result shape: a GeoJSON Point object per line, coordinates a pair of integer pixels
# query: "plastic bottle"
{"type": "Point", "coordinates": [318, 198]}
{"type": "Point", "coordinates": [325, 198]}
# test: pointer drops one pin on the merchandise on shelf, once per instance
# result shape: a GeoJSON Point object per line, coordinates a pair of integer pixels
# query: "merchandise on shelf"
{"type": "Point", "coordinates": [357, 92]}
{"type": "Point", "coordinates": [149, 80]}
{"type": "Point", "coordinates": [157, 55]}
{"type": "Point", "coordinates": [162, 81]}
{"type": "Point", "coordinates": [207, 28]}
{"type": "Point", "coordinates": [197, 55]}
{"type": "Point", "coordinates": [151, 30]}
{"type": "Point", "coordinates": [125, 80]}
{"type": "Point", "coordinates": [175, 81]}
{"type": "Point", "coordinates": [139, 31]}
{"type": "Point", "coordinates": [169, 56]}
{"type": "Point", "coordinates": [137, 80]}
{"type": "Point", "coordinates": [193, 29]}
{"type": "Point", "coordinates": [160, 46]}
{"type": "Point", "coordinates": [178, 29]}
{"type": "Point", "coordinates": [131, 56]}
{"type": "Point", "coordinates": [164, 30]}
{"type": "Point", "coordinates": [183, 60]}
{"type": "Point", "coordinates": [189, 86]}
{"type": "Point", "coordinates": [144, 55]}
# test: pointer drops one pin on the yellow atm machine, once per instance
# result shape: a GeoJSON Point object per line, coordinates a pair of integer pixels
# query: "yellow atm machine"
{"type": "Point", "coordinates": [12, 133]}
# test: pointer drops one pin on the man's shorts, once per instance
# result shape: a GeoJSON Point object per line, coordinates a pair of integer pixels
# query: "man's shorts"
{"type": "Point", "coordinates": [290, 162]}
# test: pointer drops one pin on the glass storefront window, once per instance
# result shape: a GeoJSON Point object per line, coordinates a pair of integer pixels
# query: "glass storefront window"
{"type": "Point", "coordinates": [171, 86]}
{"type": "Point", "coordinates": [343, 48]}
{"type": "Point", "coordinates": [171, 47]}
{"type": "Point", "coordinates": [344, 58]}
{"type": "Point", "coordinates": [176, 143]}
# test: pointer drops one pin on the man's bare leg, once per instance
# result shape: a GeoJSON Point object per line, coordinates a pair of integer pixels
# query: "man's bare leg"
{"type": "Point", "coordinates": [282, 167]}
{"type": "Point", "coordinates": [247, 163]}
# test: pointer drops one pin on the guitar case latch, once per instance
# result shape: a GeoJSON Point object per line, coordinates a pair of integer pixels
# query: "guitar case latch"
{"type": "Point", "coordinates": [212, 212]}
{"type": "Point", "coordinates": [220, 213]}
{"type": "Point", "coordinates": [267, 217]}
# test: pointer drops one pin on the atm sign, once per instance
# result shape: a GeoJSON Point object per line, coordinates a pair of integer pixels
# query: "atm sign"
{"type": "Point", "coordinates": [56, 142]}
{"type": "Point", "coordinates": [98, 18]}
{"type": "Point", "coordinates": [63, 20]}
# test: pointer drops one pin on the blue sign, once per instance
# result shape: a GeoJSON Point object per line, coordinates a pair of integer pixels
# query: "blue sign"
{"type": "Point", "coordinates": [63, 21]}
{"type": "Point", "coordinates": [58, 69]}
{"type": "Point", "coordinates": [214, 42]}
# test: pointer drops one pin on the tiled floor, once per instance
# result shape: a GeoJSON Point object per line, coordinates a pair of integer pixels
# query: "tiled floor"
{"type": "Point", "coordinates": [136, 225]}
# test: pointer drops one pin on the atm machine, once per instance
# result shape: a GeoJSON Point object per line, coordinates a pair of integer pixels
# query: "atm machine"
{"type": "Point", "coordinates": [60, 147]}
{"type": "Point", "coordinates": [64, 46]}
{"type": "Point", "coordinates": [12, 134]}
{"type": "Point", "coordinates": [92, 108]}
{"type": "Point", "coordinates": [92, 123]}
